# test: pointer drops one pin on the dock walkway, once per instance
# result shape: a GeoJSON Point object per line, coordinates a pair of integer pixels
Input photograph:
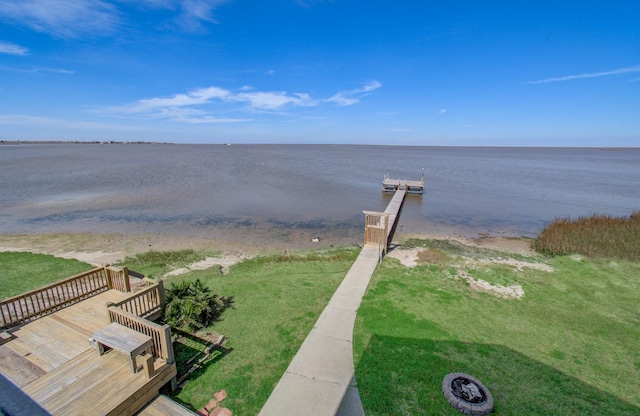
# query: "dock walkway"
{"type": "Point", "coordinates": [320, 380]}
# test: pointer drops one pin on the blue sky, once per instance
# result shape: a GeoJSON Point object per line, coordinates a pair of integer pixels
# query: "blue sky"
{"type": "Point", "coordinates": [506, 73]}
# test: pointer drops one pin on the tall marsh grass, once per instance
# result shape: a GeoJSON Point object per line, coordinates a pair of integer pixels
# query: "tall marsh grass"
{"type": "Point", "coordinates": [594, 236]}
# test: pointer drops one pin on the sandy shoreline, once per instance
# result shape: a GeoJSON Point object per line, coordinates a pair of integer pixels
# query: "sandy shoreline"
{"type": "Point", "coordinates": [98, 249]}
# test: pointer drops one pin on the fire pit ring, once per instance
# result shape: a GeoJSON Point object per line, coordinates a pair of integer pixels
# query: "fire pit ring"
{"type": "Point", "coordinates": [467, 394]}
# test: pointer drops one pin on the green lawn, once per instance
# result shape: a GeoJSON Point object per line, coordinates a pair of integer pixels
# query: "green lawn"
{"type": "Point", "coordinates": [21, 272]}
{"type": "Point", "coordinates": [277, 301]}
{"type": "Point", "coordinates": [568, 347]}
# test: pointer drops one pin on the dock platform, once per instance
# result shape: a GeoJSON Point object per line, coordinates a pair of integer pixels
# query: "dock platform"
{"type": "Point", "coordinates": [412, 187]}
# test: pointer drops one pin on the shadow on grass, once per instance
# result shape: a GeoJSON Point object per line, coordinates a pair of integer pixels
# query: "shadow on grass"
{"type": "Point", "coordinates": [404, 376]}
{"type": "Point", "coordinates": [189, 349]}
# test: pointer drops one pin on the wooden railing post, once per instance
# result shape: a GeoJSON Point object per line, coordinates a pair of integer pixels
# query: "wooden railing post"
{"type": "Point", "coordinates": [167, 346]}
{"type": "Point", "coordinates": [109, 304]}
{"type": "Point", "coordinates": [163, 301]}
{"type": "Point", "coordinates": [127, 282]}
{"type": "Point", "coordinates": [107, 272]}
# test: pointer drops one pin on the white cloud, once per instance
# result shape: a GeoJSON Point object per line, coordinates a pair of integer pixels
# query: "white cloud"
{"type": "Point", "coordinates": [36, 70]}
{"type": "Point", "coordinates": [12, 49]}
{"type": "Point", "coordinates": [190, 13]}
{"type": "Point", "coordinates": [62, 18]}
{"type": "Point", "coordinates": [195, 97]}
{"type": "Point", "coordinates": [196, 106]}
{"type": "Point", "coordinates": [273, 100]}
{"type": "Point", "coordinates": [194, 12]}
{"type": "Point", "coordinates": [179, 107]}
{"type": "Point", "coordinates": [590, 75]}
{"type": "Point", "coordinates": [192, 116]}
{"type": "Point", "coordinates": [442, 111]}
{"type": "Point", "coordinates": [76, 18]}
{"type": "Point", "coordinates": [345, 98]}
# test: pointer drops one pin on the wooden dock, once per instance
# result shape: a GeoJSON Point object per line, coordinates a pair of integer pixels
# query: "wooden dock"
{"type": "Point", "coordinates": [51, 360]}
{"type": "Point", "coordinates": [412, 187]}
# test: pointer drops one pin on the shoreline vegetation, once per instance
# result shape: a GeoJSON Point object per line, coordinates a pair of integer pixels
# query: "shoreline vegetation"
{"type": "Point", "coordinates": [594, 236]}
{"type": "Point", "coordinates": [562, 324]}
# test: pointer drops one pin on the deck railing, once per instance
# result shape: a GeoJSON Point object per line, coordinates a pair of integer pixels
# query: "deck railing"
{"type": "Point", "coordinates": [48, 299]}
{"type": "Point", "coordinates": [161, 334]}
{"type": "Point", "coordinates": [148, 303]}
{"type": "Point", "coordinates": [119, 279]}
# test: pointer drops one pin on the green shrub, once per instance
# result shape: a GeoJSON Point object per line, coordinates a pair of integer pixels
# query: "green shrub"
{"type": "Point", "coordinates": [192, 306]}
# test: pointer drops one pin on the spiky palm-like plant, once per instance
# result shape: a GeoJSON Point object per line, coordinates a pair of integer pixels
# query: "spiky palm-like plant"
{"type": "Point", "coordinates": [192, 306]}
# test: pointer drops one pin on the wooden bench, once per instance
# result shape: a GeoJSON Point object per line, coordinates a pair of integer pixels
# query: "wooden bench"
{"type": "Point", "coordinates": [125, 340]}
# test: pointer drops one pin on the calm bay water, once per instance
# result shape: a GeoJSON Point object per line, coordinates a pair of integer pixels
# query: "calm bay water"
{"type": "Point", "coordinates": [292, 193]}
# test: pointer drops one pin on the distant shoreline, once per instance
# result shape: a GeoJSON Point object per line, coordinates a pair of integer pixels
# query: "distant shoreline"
{"type": "Point", "coordinates": [116, 142]}
{"type": "Point", "coordinates": [23, 142]}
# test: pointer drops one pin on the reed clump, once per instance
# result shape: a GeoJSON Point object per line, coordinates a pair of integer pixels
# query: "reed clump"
{"type": "Point", "coordinates": [594, 236]}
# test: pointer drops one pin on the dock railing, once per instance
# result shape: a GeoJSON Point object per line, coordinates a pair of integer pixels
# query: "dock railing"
{"type": "Point", "coordinates": [161, 334]}
{"type": "Point", "coordinates": [55, 296]}
{"type": "Point", "coordinates": [376, 228]}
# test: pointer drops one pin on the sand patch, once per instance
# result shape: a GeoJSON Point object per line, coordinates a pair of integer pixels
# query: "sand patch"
{"type": "Point", "coordinates": [506, 292]}
{"type": "Point", "coordinates": [224, 262]}
{"type": "Point", "coordinates": [408, 258]}
{"type": "Point", "coordinates": [516, 264]}
{"type": "Point", "coordinates": [511, 245]}
{"type": "Point", "coordinates": [411, 258]}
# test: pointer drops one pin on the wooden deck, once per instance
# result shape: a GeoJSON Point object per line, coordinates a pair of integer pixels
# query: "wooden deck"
{"type": "Point", "coordinates": [163, 406]}
{"type": "Point", "coordinates": [52, 361]}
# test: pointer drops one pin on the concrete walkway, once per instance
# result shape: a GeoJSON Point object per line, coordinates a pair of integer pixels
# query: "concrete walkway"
{"type": "Point", "coordinates": [320, 381]}
{"type": "Point", "coordinates": [321, 374]}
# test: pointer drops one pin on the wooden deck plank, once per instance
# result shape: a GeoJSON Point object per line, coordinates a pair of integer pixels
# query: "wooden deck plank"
{"type": "Point", "coordinates": [48, 343]}
{"type": "Point", "coordinates": [91, 385]}
{"type": "Point", "coordinates": [91, 314]}
{"type": "Point", "coordinates": [163, 406]}
{"type": "Point", "coordinates": [17, 368]}
{"type": "Point", "coordinates": [94, 384]}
